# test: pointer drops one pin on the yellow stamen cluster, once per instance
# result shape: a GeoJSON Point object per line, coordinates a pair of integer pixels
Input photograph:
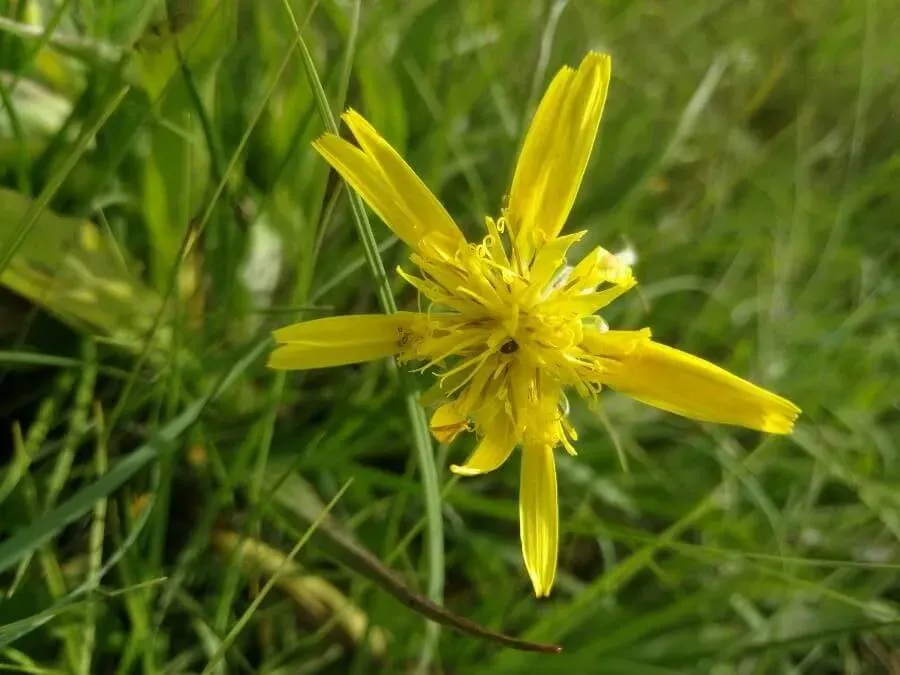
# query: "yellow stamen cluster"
{"type": "Point", "coordinates": [505, 333]}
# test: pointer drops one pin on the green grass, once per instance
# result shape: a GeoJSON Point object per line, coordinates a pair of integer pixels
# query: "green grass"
{"type": "Point", "coordinates": [169, 506]}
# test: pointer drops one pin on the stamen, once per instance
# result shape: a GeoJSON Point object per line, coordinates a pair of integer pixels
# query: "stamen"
{"type": "Point", "coordinates": [478, 359]}
{"type": "Point", "coordinates": [564, 407]}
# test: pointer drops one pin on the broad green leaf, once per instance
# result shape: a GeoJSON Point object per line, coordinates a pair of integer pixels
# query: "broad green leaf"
{"type": "Point", "coordinates": [77, 272]}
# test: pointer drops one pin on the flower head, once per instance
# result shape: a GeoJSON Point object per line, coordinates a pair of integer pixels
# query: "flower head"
{"type": "Point", "coordinates": [508, 325]}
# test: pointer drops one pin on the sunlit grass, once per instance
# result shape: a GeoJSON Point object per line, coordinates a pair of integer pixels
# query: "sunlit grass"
{"type": "Point", "coordinates": [747, 156]}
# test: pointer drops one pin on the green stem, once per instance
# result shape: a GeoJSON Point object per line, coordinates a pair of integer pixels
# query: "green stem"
{"type": "Point", "coordinates": [418, 422]}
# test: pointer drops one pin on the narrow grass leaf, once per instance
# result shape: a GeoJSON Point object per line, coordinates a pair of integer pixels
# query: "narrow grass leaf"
{"type": "Point", "coordinates": [284, 567]}
{"type": "Point", "coordinates": [421, 438]}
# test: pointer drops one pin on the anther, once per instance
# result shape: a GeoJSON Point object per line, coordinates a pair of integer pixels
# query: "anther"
{"type": "Point", "coordinates": [509, 347]}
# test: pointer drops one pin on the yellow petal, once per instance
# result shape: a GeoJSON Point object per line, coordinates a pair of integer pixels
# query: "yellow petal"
{"type": "Point", "coordinates": [556, 151]}
{"type": "Point", "coordinates": [588, 303]}
{"type": "Point", "coordinates": [539, 517]}
{"type": "Point", "coordinates": [339, 340]}
{"type": "Point", "coordinates": [389, 186]}
{"type": "Point", "coordinates": [492, 450]}
{"type": "Point", "coordinates": [430, 216]}
{"type": "Point", "coordinates": [614, 344]}
{"type": "Point", "coordinates": [364, 176]}
{"type": "Point", "coordinates": [597, 267]}
{"type": "Point", "coordinates": [686, 385]}
{"type": "Point", "coordinates": [530, 174]}
{"type": "Point", "coordinates": [447, 423]}
{"type": "Point", "coordinates": [548, 261]}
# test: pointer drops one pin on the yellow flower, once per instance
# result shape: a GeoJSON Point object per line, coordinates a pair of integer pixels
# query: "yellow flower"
{"type": "Point", "coordinates": [508, 325]}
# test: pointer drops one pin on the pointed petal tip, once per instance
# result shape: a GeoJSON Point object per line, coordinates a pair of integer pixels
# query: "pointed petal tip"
{"type": "Point", "coordinates": [277, 360]}
{"type": "Point", "coordinates": [321, 143]}
{"type": "Point", "coordinates": [542, 587]}
{"type": "Point", "coordinates": [594, 58]}
{"type": "Point", "coordinates": [491, 452]}
{"type": "Point", "coordinates": [464, 471]}
{"type": "Point", "coordinates": [782, 420]}
{"type": "Point", "coordinates": [779, 415]}
{"type": "Point", "coordinates": [283, 335]}
{"type": "Point", "coordinates": [599, 65]}
{"type": "Point", "coordinates": [357, 123]}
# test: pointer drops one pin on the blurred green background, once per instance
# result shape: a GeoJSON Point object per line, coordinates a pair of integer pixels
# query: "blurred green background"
{"type": "Point", "coordinates": [161, 211]}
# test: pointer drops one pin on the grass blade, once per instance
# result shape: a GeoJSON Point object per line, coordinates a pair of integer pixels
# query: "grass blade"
{"type": "Point", "coordinates": [418, 422]}
{"type": "Point", "coordinates": [9, 247]}
{"type": "Point", "coordinates": [95, 553]}
{"type": "Point", "coordinates": [27, 540]}
{"type": "Point", "coordinates": [285, 566]}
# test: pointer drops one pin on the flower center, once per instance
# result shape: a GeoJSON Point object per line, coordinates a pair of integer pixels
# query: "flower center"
{"type": "Point", "coordinates": [506, 332]}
